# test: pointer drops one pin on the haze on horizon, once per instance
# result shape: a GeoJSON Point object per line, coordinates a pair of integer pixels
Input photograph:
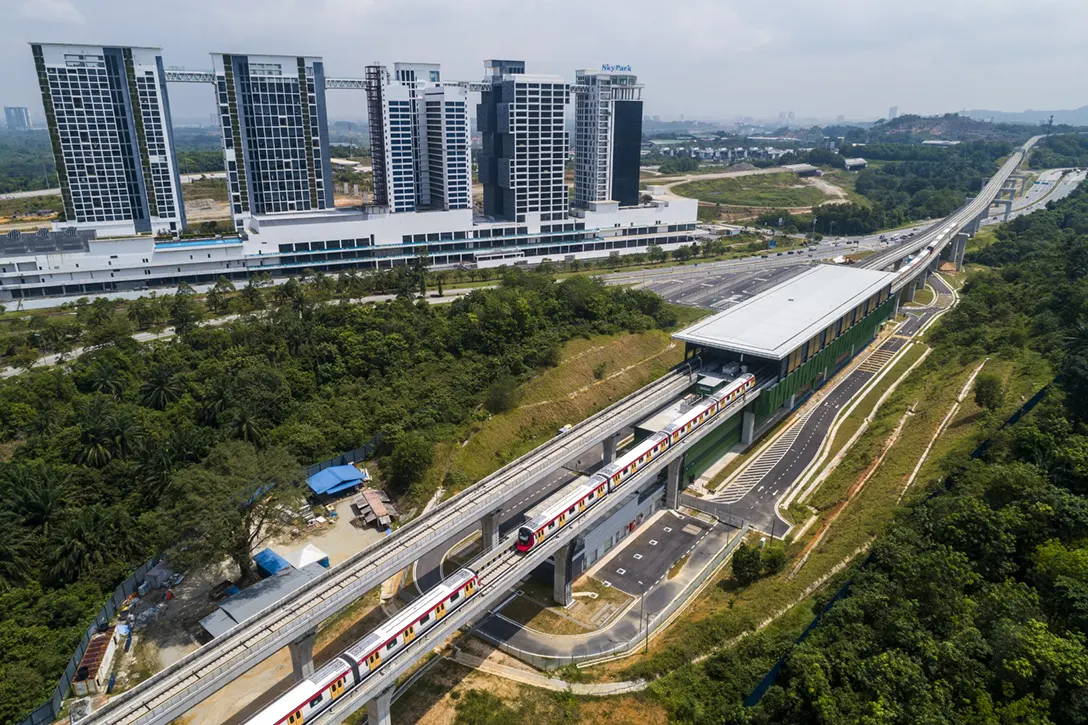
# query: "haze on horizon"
{"type": "Point", "coordinates": [700, 58]}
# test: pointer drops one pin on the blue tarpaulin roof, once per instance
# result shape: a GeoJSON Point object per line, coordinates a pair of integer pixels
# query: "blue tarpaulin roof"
{"type": "Point", "coordinates": [270, 562]}
{"type": "Point", "coordinates": [335, 479]}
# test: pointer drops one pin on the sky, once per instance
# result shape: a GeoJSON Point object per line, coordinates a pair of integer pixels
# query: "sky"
{"type": "Point", "coordinates": [706, 59]}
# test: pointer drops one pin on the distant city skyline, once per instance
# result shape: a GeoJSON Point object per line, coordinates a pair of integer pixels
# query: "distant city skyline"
{"type": "Point", "coordinates": [703, 58]}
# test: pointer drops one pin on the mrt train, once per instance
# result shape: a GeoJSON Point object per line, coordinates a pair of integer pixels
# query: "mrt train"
{"type": "Point", "coordinates": [362, 659]}
{"type": "Point", "coordinates": [608, 479]}
{"type": "Point", "coordinates": [916, 259]}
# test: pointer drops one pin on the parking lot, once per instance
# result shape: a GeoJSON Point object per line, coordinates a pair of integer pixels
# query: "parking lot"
{"type": "Point", "coordinates": [718, 291]}
{"type": "Point", "coordinates": [646, 560]}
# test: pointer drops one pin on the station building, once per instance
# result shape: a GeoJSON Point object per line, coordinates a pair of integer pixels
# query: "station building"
{"type": "Point", "coordinates": [793, 338]}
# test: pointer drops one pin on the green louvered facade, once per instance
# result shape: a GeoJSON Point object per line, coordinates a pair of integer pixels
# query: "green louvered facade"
{"type": "Point", "coordinates": [809, 375]}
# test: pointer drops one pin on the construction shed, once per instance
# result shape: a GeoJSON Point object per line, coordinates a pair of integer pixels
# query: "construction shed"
{"type": "Point", "coordinates": [238, 608]}
{"type": "Point", "coordinates": [269, 563]}
{"type": "Point", "coordinates": [93, 672]}
{"type": "Point", "coordinates": [337, 479]}
{"type": "Point", "coordinates": [372, 507]}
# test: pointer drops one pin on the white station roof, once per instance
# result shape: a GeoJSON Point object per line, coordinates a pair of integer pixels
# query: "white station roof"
{"type": "Point", "coordinates": [776, 322]}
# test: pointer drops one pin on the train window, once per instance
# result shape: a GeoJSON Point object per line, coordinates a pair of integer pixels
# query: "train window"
{"type": "Point", "coordinates": [391, 645]}
{"type": "Point", "coordinates": [571, 510]}
{"type": "Point", "coordinates": [425, 618]}
{"type": "Point", "coordinates": [316, 701]}
{"type": "Point", "coordinates": [454, 597]}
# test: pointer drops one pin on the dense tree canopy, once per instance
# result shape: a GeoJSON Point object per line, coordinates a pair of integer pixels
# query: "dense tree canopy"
{"type": "Point", "coordinates": [1060, 150]}
{"type": "Point", "coordinates": [191, 446]}
{"type": "Point", "coordinates": [974, 608]}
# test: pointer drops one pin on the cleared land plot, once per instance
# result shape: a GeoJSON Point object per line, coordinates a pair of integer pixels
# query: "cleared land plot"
{"type": "Point", "coordinates": [763, 190]}
{"type": "Point", "coordinates": [213, 189]}
{"type": "Point", "coordinates": [10, 208]}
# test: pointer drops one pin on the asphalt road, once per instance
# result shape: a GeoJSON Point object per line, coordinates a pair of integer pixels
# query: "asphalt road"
{"type": "Point", "coordinates": [628, 626]}
{"type": "Point", "coordinates": [644, 562]}
{"type": "Point", "coordinates": [758, 504]}
{"type": "Point", "coordinates": [1051, 185]}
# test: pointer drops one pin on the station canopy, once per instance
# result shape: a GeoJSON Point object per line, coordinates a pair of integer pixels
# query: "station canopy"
{"type": "Point", "coordinates": [776, 322]}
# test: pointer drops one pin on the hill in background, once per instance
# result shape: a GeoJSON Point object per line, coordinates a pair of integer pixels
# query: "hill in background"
{"type": "Point", "coordinates": [1074, 117]}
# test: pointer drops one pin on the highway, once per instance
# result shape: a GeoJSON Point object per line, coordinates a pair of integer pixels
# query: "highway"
{"type": "Point", "coordinates": [1051, 185]}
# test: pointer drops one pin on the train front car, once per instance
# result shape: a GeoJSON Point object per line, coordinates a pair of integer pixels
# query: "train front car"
{"type": "Point", "coordinates": [563, 506]}
{"type": "Point", "coordinates": [526, 539]}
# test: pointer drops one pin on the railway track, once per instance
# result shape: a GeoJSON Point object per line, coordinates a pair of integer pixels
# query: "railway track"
{"type": "Point", "coordinates": [175, 689]}
{"type": "Point", "coordinates": [958, 219]}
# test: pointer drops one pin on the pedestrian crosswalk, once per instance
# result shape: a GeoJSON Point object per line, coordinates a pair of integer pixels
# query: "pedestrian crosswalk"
{"type": "Point", "coordinates": [877, 360]}
{"type": "Point", "coordinates": [758, 468]}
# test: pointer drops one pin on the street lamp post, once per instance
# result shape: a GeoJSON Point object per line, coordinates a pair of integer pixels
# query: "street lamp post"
{"type": "Point", "coordinates": [813, 229]}
{"type": "Point", "coordinates": [642, 614]}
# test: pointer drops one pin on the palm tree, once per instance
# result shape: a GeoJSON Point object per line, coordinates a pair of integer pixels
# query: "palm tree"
{"type": "Point", "coordinates": [125, 433]}
{"type": "Point", "coordinates": [323, 284]}
{"type": "Point", "coordinates": [107, 379]}
{"type": "Point", "coordinates": [37, 493]}
{"type": "Point", "coordinates": [77, 547]}
{"type": "Point", "coordinates": [161, 388]}
{"type": "Point", "coordinates": [217, 297]}
{"type": "Point", "coordinates": [249, 427]}
{"type": "Point", "coordinates": [184, 313]}
{"type": "Point", "coordinates": [419, 266]}
{"type": "Point", "coordinates": [96, 444]}
{"type": "Point", "coordinates": [14, 562]}
{"type": "Point", "coordinates": [141, 313]}
{"type": "Point", "coordinates": [252, 295]}
{"type": "Point", "coordinates": [215, 401]}
{"type": "Point", "coordinates": [283, 293]}
{"type": "Point", "coordinates": [92, 538]}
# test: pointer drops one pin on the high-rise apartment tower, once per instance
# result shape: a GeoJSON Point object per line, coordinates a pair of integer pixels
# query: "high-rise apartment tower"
{"type": "Point", "coordinates": [419, 138]}
{"type": "Point", "coordinates": [607, 137]}
{"type": "Point", "coordinates": [275, 133]}
{"type": "Point", "coordinates": [521, 121]}
{"type": "Point", "coordinates": [17, 117]}
{"type": "Point", "coordinates": [108, 116]}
